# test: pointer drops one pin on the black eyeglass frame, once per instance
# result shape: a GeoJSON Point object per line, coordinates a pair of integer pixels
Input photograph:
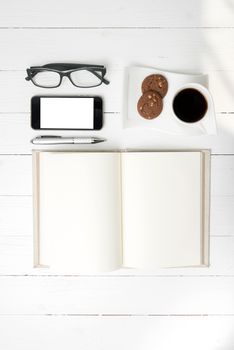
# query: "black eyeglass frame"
{"type": "Point", "coordinates": [65, 70]}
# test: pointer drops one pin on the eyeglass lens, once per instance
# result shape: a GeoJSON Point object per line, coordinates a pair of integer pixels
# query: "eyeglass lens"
{"type": "Point", "coordinates": [46, 79]}
{"type": "Point", "coordinates": [85, 78]}
{"type": "Point", "coordinates": [80, 78]}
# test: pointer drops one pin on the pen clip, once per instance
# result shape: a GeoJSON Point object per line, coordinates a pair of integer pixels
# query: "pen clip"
{"type": "Point", "coordinates": [50, 136]}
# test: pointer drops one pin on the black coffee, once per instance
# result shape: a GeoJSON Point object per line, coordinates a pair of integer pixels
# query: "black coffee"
{"type": "Point", "coordinates": [190, 105]}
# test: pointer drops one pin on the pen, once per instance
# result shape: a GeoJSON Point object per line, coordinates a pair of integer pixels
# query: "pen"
{"type": "Point", "coordinates": [59, 140]}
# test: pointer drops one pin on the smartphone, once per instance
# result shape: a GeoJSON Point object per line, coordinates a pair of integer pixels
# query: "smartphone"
{"type": "Point", "coordinates": [66, 113]}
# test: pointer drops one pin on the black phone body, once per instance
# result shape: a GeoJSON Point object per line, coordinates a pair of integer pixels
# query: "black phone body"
{"type": "Point", "coordinates": [66, 113]}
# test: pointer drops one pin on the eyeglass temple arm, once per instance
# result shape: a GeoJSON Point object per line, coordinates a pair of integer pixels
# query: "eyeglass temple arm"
{"type": "Point", "coordinates": [31, 73]}
{"type": "Point", "coordinates": [105, 81]}
{"type": "Point", "coordinates": [66, 66]}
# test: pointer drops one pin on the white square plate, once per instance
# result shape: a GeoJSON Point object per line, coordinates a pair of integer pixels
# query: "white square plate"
{"type": "Point", "coordinates": [167, 121]}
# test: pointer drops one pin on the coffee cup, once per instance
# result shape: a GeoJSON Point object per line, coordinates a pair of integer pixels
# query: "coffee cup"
{"type": "Point", "coordinates": [191, 103]}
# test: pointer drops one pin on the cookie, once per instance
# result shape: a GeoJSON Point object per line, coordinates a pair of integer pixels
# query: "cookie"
{"type": "Point", "coordinates": [155, 82]}
{"type": "Point", "coordinates": [150, 105]}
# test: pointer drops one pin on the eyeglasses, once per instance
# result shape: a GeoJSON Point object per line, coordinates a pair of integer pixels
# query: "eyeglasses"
{"type": "Point", "coordinates": [80, 75]}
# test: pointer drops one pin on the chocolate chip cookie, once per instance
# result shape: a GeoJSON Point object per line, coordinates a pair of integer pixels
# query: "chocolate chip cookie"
{"type": "Point", "coordinates": [155, 82]}
{"type": "Point", "coordinates": [150, 105]}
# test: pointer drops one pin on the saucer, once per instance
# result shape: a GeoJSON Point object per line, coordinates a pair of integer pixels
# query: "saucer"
{"type": "Point", "coordinates": [167, 122]}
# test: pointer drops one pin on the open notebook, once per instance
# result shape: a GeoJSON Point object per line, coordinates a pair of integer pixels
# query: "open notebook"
{"type": "Point", "coordinates": [99, 211]}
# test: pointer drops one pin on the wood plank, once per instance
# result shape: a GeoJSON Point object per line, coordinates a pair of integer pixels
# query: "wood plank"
{"type": "Point", "coordinates": [182, 13]}
{"type": "Point", "coordinates": [13, 83]}
{"type": "Point", "coordinates": [19, 208]}
{"type": "Point", "coordinates": [16, 258]}
{"type": "Point", "coordinates": [104, 333]}
{"type": "Point", "coordinates": [16, 240]}
{"type": "Point", "coordinates": [222, 221]}
{"type": "Point", "coordinates": [16, 173]}
{"type": "Point", "coordinates": [184, 50]}
{"type": "Point", "coordinates": [16, 133]}
{"type": "Point", "coordinates": [222, 169]}
{"type": "Point", "coordinates": [15, 136]}
{"type": "Point", "coordinates": [108, 295]}
{"type": "Point", "coordinates": [16, 235]}
{"type": "Point", "coordinates": [208, 50]}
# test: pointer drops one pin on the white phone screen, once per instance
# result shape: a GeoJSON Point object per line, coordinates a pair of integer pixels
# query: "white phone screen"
{"type": "Point", "coordinates": [67, 113]}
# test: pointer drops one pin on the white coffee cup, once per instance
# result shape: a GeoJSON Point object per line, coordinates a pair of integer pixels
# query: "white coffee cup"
{"type": "Point", "coordinates": [195, 108]}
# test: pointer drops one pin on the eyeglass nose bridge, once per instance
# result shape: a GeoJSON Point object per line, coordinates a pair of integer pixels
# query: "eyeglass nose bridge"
{"type": "Point", "coordinates": [66, 75]}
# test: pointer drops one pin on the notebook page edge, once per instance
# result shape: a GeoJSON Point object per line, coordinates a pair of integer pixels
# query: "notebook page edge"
{"type": "Point", "coordinates": [36, 201]}
{"type": "Point", "coordinates": [205, 258]}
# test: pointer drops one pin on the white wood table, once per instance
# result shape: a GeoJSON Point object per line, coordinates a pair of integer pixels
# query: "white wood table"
{"type": "Point", "coordinates": [164, 309]}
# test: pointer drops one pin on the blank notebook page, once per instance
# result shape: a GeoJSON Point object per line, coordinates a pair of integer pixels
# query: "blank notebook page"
{"type": "Point", "coordinates": [161, 209]}
{"type": "Point", "coordinates": [80, 211]}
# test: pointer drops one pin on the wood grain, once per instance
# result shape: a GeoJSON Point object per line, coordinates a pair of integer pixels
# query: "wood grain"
{"type": "Point", "coordinates": [133, 13]}
{"type": "Point", "coordinates": [182, 35]}
{"type": "Point", "coordinates": [16, 259]}
{"type": "Point", "coordinates": [15, 136]}
{"type": "Point", "coordinates": [190, 50]}
{"type": "Point", "coordinates": [121, 332]}
{"type": "Point", "coordinates": [16, 235]}
{"type": "Point", "coordinates": [13, 83]}
{"type": "Point", "coordinates": [108, 295]}
{"type": "Point", "coordinates": [16, 175]}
